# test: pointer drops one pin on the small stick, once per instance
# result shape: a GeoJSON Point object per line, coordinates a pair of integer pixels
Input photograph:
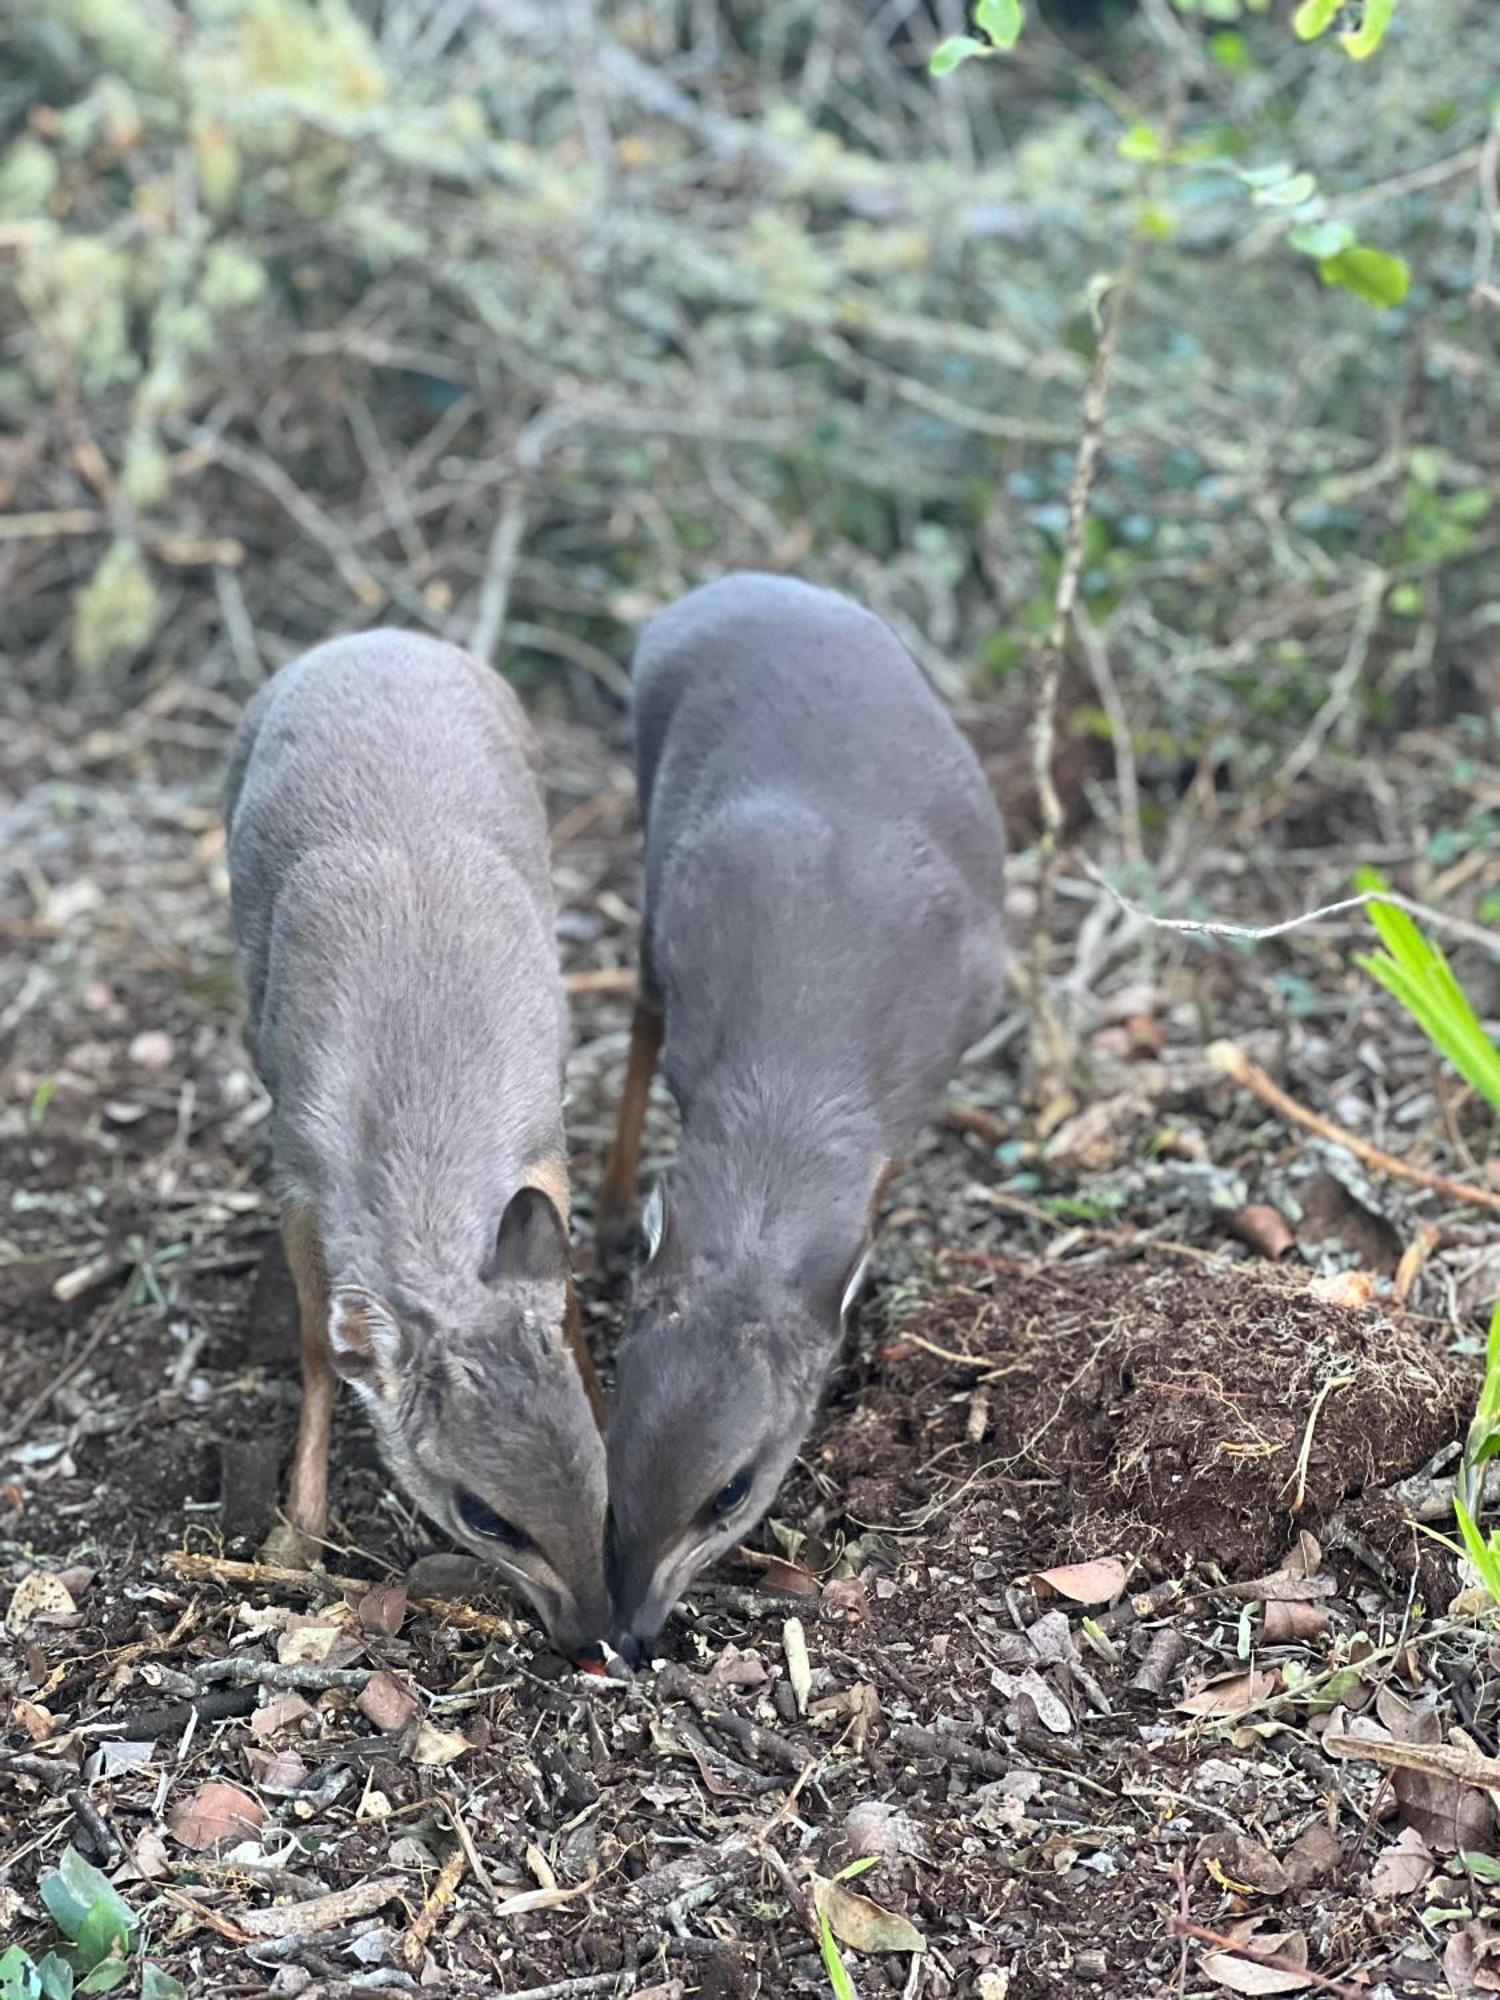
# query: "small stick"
{"type": "Point", "coordinates": [276, 1576]}
{"type": "Point", "coordinates": [107, 1843]}
{"type": "Point", "coordinates": [976, 1122]}
{"type": "Point", "coordinates": [1272, 1961]}
{"type": "Point", "coordinates": [214, 1705]}
{"type": "Point", "coordinates": [1236, 1065]}
{"type": "Point", "coordinates": [415, 1945]}
{"type": "Point", "coordinates": [1441, 920]}
{"type": "Point", "coordinates": [324, 1913]}
{"type": "Point", "coordinates": [298, 1674]}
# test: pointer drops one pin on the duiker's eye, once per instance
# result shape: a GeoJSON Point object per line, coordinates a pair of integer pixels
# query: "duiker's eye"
{"type": "Point", "coordinates": [482, 1520]}
{"type": "Point", "coordinates": [729, 1497]}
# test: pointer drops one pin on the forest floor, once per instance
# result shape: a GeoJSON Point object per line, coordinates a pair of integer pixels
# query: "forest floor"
{"type": "Point", "coordinates": [1189, 1757]}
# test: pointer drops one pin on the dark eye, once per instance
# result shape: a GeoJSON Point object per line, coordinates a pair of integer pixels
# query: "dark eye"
{"type": "Point", "coordinates": [482, 1520]}
{"type": "Point", "coordinates": [729, 1497]}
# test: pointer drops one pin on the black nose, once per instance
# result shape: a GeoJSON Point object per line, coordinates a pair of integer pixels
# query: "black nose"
{"type": "Point", "coordinates": [630, 1649]}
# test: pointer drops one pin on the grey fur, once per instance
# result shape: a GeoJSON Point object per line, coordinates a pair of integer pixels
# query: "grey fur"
{"type": "Point", "coordinates": [823, 935]}
{"type": "Point", "coordinates": [393, 912]}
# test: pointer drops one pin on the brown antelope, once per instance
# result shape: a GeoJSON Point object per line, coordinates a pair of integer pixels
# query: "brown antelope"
{"type": "Point", "coordinates": [821, 939]}
{"type": "Point", "coordinates": [393, 913]}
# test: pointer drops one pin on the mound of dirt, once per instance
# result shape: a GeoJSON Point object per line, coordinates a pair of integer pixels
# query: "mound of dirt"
{"type": "Point", "coordinates": [1185, 1416]}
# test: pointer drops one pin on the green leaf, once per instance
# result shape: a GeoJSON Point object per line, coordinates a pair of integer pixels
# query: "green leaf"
{"type": "Point", "coordinates": [1370, 274]}
{"type": "Point", "coordinates": [106, 1976]}
{"type": "Point", "coordinates": [833, 1964]}
{"type": "Point", "coordinates": [1364, 40]}
{"type": "Point", "coordinates": [947, 56]}
{"type": "Point", "coordinates": [102, 1935]}
{"type": "Point", "coordinates": [18, 1976]}
{"type": "Point", "coordinates": [1484, 1866]}
{"type": "Point", "coordinates": [1290, 193]}
{"type": "Point", "coordinates": [1001, 20]}
{"type": "Point", "coordinates": [1140, 143]}
{"type": "Point", "coordinates": [56, 1976]}
{"type": "Point", "coordinates": [73, 1889]}
{"type": "Point", "coordinates": [159, 1985]}
{"type": "Point", "coordinates": [1321, 239]}
{"type": "Point", "coordinates": [1314, 18]}
{"type": "Point", "coordinates": [1230, 50]}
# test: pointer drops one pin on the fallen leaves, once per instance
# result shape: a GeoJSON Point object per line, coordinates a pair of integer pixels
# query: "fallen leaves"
{"type": "Point", "coordinates": [390, 1704]}
{"type": "Point", "coordinates": [860, 1924]}
{"type": "Point", "coordinates": [217, 1814]}
{"type": "Point", "coordinates": [1231, 1695]}
{"type": "Point", "coordinates": [1098, 1582]}
{"type": "Point", "coordinates": [1404, 1867]}
{"type": "Point", "coordinates": [41, 1598]}
{"type": "Point", "coordinates": [1263, 1229]}
{"type": "Point", "coordinates": [436, 1747]}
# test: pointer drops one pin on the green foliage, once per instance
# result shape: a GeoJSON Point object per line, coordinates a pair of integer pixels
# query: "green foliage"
{"type": "Point", "coordinates": [102, 1934]}
{"type": "Point", "coordinates": [1370, 274]}
{"type": "Point", "coordinates": [1363, 23]}
{"type": "Point", "coordinates": [1418, 974]}
{"type": "Point", "coordinates": [117, 609]}
{"type": "Point", "coordinates": [1000, 23]}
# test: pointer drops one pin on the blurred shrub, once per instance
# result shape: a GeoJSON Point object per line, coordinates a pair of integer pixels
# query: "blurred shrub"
{"type": "Point", "coordinates": [306, 294]}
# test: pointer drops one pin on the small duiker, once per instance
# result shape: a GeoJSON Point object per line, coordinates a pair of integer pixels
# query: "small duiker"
{"type": "Point", "coordinates": [821, 940]}
{"type": "Point", "coordinates": [393, 913]}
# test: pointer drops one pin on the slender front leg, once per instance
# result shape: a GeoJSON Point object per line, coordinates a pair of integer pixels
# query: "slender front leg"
{"type": "Point", "coordinates": [622, 1172]}
{"type": "Point", "coordinates": [579, 1347]}
{"type": "Point", "coordinates": [307, 1491]}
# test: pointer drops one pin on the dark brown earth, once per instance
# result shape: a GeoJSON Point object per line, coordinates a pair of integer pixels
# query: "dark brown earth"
{"type": "Point", "coordinates": [1060, 1363]}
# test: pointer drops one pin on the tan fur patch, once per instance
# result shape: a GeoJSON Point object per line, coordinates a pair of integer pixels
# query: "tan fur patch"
{"type": "Point", "coordinates": [551, 1177]}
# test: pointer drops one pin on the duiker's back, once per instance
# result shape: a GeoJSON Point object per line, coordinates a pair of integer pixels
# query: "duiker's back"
{"type": "Point", "coordinates": [823, 855]}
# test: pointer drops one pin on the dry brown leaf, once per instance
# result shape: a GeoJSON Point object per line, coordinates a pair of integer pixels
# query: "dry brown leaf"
{"type": "Point", "coordinates": [1243, 1975]}
{"type": "Point", "coordinates": [1471, 1962]}
{"type": "Point", "coordinates": [38, 1722]}
{"type": "Point", "coordinates": [544, 1899]}
{"type": "Point", "coordinates": [1312, 1857]}
{"type": "Point", "coordinates": [1235, 1694]}
{"type": "Point", "coordinates": [325, 1641]}
{"type": "Point", "coordinates": [779, 1575]}
{"type": "Point", "coordinates": [216, 1815]}
{"type": "Point", "coordinates": [1051, 1710]}
{"type": "Point", "coordinates": [1292, 1621]}
{"type": "Point", "coordinates": [282, 1711]}
{"type": "Point", "coordinates": [1442, 1789]}
{"type": "Point", "coordinates": [387, 1702]}
{"type": "Point", "coordinates": [1345, 1288]}
{"type": "Point", "coordinates": [861, 1924]}
{"type": "Point", "coordinates": [1264, 1229]}
{"type": "Point", "coordinates": [1242, 1865]}
{"type": "Point", "coordinates": [438, 1746]}
{"type": "Point", "coordinates": [279, 1772]}
{"type": "Point", "coordinates": [1404, 1867]}
{"type": "Point", "coordinates": [39, 1599]}
{"type": "Point", "coordinates": [382, 1611]}
{"type": "Point", "coordinates": [1098, 1582]}
{"type": "Point", "coordinates": [847, 1597]}
{"type": "Point", "coordinates": [149, 1855]}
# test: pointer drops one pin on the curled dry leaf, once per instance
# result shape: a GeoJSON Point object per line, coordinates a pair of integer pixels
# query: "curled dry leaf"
{"type": "Point", "coordinates": [1247, 1975]}
{"type": "Point", "coordinates": [324, 1641]}
{"type": "Point", "coordinates": [875, 1828]}
{"type": "Point", "coordinates": [37, 1721]}
{"type": "Point", "coordinates": [1052, 1712]}
{"type": "Point", "coordinates": [1312, 1857]}
{"type": "Point", "coordinates": [861, 1924]}
{"type": "Point", "coordinates": [436, 1746]}
{"type": "Point", "coordinates": [382, 1611]}
{"type": "Point", "coordinates": [215, 1816]}
{"type": "Point", "coordinates": [39, 1599]}
{"type": "Point", "coordinates": [1234, 1695]}
{"type": "Point", "coordinates": [783, 1578]}
{"type": "Point", "coordinates": [1404, 1867]}
{"type": "Point", "coordinates": [387, 1702]}
{"type": "Point", "coordinates": [283, 1711]}
{"type": "Point", "coordinates": [279, 1772]}
{"type": "Point", "coordinates": [1265, 1229]}
{"type": "Point", "coordinates": [1098, 1582]}
{"type": "Point", "coordinates": [847, 1597]}
{"type": "Point", "coordinates": [1242, 1865]}
{"type": "Point", "coordinates": [1289, 1621]}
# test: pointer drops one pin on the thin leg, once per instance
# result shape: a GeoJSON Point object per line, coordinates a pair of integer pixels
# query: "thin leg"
{"type": "Point", "coordinates": [307, 1491]}
{"type": "Point", "coordinates": [622, 1172]}
{"type": "Point", "coordinates": [573, 1333]}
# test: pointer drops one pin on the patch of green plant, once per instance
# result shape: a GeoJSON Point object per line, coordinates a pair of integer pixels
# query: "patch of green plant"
{"type": "Point", "coordinates": [102, 1939]}
{"type": "Point", "coordinates": [833, 1962]}
{"type": "Point", "coordinates": [1418, 974]}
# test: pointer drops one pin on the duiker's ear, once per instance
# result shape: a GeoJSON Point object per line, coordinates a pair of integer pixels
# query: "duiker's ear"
{"type": "Point", "coordinates": [532, 1242]}
{"type": "Point", "coordinates": [833, 1284]}
{"type": "Point", "coordinates": [364, 1339]}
